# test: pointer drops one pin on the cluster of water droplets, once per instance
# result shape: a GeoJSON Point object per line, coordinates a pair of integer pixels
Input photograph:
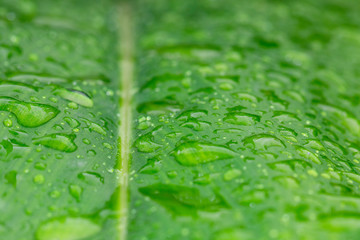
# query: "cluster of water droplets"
{"type": "Point", "coordinates": [58, 141]}
{"type": "Point", "coordinates": [241, 127]}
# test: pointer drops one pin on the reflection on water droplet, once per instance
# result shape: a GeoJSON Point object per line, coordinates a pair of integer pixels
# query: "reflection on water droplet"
{"type": "Point", "coordinates": [58, 141]}
{"type": "Point", "coordinates": [28, 114]}
{"type": "Point", "coordinates": [193, 153]}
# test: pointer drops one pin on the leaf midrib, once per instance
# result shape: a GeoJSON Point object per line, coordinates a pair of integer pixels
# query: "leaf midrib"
{"type": "Point", "coordinates": [126, 77]}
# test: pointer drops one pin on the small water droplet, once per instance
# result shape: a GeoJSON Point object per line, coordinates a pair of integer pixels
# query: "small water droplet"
{"type": "Point", "coordinates": [39, 179]}
{"type": "Point", "coordinates": [7, 122]}
{"type": "Point", "coordinates": [75, 191]}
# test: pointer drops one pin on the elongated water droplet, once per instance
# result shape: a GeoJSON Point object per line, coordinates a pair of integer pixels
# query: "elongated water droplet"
{"type": "Point", "coordinates": [159, 107]}
{"type": "Point", "coordinates": [72, 122]}
{"type": "Point", "coordinates": [263, 141]}
{"type": "Point", "coordinates": [239, 118]}
{"type": "Point", "coordinates": [75, 96]}
{"type": "Point", "coordinates": [182, 200]}
{"type": "Point", "coordinates": [75, 191]}
{"type": "Point", "coordinates": [67, 229]}
{"type": "Point", "coordinates": [307, 154]}
{"type": "Point", "coordinates": [193, 153]}
{"type": "Point", "coordinates": [58, 141]}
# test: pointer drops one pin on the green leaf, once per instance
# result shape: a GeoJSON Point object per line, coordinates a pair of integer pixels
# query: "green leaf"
{"type": "Point", "coordinates": [145, 119]}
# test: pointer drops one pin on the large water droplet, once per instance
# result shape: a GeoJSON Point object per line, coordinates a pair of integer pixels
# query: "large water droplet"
{"type": "Point", "coordinates": [346, 118]}
{"type": "Point", "coordinates": [75, 96]}
{"type": "Point", "coordinates": [193, 153]}
{"type": "Point", "coordinates": [263, 141]}
{"type": "Point", "coordinates": [307, 154]}
{"type": "Point", "coordinates": [182, 200]}
{"type": "Point", "coordinates": [28, 114]}
{"type": "Point", "coordinates": [58, 141]}
{"type": "Point", "coordinates": [159, 107]}
{"type": "Point", "coordinates": [67, 229]}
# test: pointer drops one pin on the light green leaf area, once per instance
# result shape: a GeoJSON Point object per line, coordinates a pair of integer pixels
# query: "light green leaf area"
{"type": "Point", "coordinates": [244, 120]}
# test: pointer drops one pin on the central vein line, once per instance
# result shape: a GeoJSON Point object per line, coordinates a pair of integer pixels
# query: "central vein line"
{"type": "Point", "coordinates": [126, 66]}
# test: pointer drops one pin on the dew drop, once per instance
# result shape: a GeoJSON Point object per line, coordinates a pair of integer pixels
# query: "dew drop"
{"type": "Point", "coordinates": [75, 191]}
{"type": "Point", "coordinates": [67, 229]}
{"type": "Point", "coordinates": [75, 96]}
{"type": "Point", "coordinates": [263, 141]}
{"type": "Point", "coordinates": [28, 114]}
{"type": "Point", "coordinates": [194, 153]}
{"type": "Point", "coordinates": [238, 118]}
{"type": "Point", "coordinates": [57, 141]}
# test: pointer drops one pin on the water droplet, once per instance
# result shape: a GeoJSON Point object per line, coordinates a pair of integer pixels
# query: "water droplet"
{"type": "Point", "coordinates": [91, 178]}
{"type": "Point", "coordinates": [183, 200]}
{"type": "Point", "coordinates": [94, 127]}
{"type": "Point", "coordinates": [91, 153]}
{"type": "Point", "coordinates": [263, 141]}
{"type": "Point", "coordinates": [159, 107]}
{"type": "Point", "coordinates": [303, 152]}
{"type": "Point", "coordinates": [238, 118]}
{"type": "Point", "coordinates": [7, 122]}
{"type": "Point", "coordinates": [28, 114]}
{"type": "Point", "coordinates": [11, 178]}
{"type": "Point", "coordinates": [193, 153]}
{"type": "Point", "coordinates": [196, 124]}
{"type": "Point", "coordinates": [86, 141]}
{"type": "Point", "coordinates": [73, 105]}
{"type": "Point", "coordinates": [231, 174]}
{"type": "Point", "coordinates": [346, 118]}
{"type": "Point", "coordinates": [39, 179]}
{"type": "Point", "coordinates": [107, 145]}
{"type": "Point", "coordinates": [187, 115]}
{"type": "Point", "coordinates": [145, 143]}
{"type": "Point", "coordinates": [75, 96]}
{"type": "Point", "coordinates": [67, 229]}
{"type": "Point", "coordinates": [58, 141]}
{"type": "Point", "coordinates": [40, 166]}
{"type": "Point", "coordinates": [55, 194]}
{"type": "Point", "coordinates": [75, 191]}
{"type": "Point", "coordinates": [314, 144]}
{"type": "Point", "coordinates": [72, 122]}
{"type": "Point", "coordinates": [246, 97]}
